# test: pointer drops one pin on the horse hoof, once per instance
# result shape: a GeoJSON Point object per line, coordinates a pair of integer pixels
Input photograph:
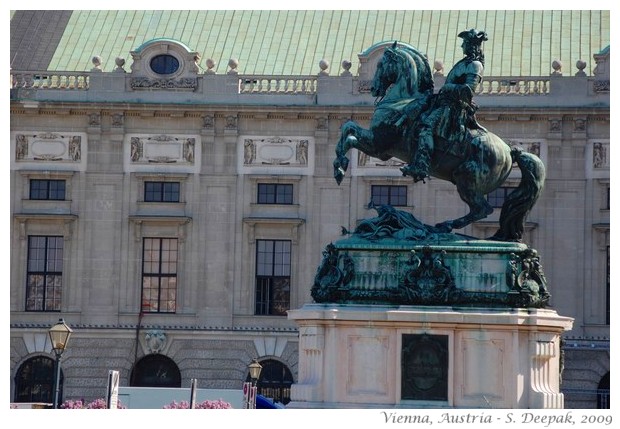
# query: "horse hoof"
{"type": "Point", "coordinates": [338, 175]}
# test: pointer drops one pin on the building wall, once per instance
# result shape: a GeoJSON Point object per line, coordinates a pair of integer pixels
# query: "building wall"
{"type": "Point", "coordinates": [214, 333]}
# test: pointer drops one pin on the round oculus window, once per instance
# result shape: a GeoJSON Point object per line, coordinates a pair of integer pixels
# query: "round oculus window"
{"type": "Point", "coordinates": [164, 64]}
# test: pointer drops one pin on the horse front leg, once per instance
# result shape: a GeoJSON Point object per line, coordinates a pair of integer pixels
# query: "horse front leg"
{"type": "Point", "coordinates": [350, 136]}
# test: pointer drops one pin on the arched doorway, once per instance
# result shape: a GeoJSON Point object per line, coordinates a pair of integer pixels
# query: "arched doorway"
{"type": "Point", "coordinates": [602, 393]}
{"type": "Point", "coordinates": [34, 381]}
{"type": "Point", "coordinates": [275, 381]}
{"type": "Point", "coordinates": [155, 371]}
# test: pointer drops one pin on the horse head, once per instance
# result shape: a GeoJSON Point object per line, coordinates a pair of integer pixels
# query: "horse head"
{"type": "Point", "coordinates": [404, 67]}
{"type": "Point", "coordinates": [386, 73]}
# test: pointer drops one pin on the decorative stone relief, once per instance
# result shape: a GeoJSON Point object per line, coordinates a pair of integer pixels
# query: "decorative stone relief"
{"type": "Point", "coordinates": [597, 159]}
{"type": "Point", "coordinates": [163, 83]}
{"type": "Point", "coordinates": [321, 123]}
{"type": "Point", "coordinates": [601, 86]}
{"type": "Point", "coordinates": [155, 340]}
{"type": "Point", "coordinates": [118, 120]}
{"type": "Point", "coordinates": [262, 154]}
{"type": "Point", "coordinates": [208, 122]}
{"type": "Point", "coordinates": [162, 149]}
{"type": "Point", "coordinates": [600, 155]}
{"type": "Point", "coordinates": [145, 152]}
{"type": "Point", "coordinates": [48, 147]}
{"type": "Point", "coordinates": [231, 123]}
{"type": "Point", "coordinates": [94, 120]}
{"type": "Point", "coordinates": [555, 126]}
{"type": "Point", "coordinates": [580, 125]}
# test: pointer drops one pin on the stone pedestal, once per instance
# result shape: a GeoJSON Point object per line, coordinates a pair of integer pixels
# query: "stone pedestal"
{"type": "Point", "coordinates": [375, 356]}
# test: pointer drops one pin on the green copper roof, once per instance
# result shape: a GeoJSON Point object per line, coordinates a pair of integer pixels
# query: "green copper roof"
{"type": "Point", "coordinates": [278, 42]}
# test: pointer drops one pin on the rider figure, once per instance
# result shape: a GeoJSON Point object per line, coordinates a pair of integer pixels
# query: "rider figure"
{"type": "Point", "coordinates": [452, 110]}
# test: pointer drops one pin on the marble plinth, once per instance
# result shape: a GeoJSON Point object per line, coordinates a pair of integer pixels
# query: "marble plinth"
{"type": "Point", "coordinates": [373, 356]}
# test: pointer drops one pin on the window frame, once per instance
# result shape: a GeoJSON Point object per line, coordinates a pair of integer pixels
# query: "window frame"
{"type": "Point", "coordinates": [173, 66]}
{"type": "Point", "coordinates": [269, 284]}
{"type": "Point", "coordinates": [391, 194]}
{"type": "Point", "coordinates": [158, 275]}
{"type": "Point", "coordinates": [162, 191]}
{"type": "Point", "coordinates": [48, 189]}
{"type": "Point", "coordinates": [42, 371]}
{"type": "Point", "coordinates": [32, 302]}
{"type": "Point", "coordinates": [287, 188]}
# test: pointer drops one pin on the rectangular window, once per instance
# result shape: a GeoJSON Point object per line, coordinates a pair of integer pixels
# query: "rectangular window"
{"type": "Point", "coordinates": [608, 290]}
{"type": "Point", "coordinates": [389, 195]}
{"type": "Point", "coordinates": [41, 189]}
{"type": "Point", "coordinates": [608, 205]}
{"type": "Point", "coordinates": [159, 275]}
{"type": "Point", "coordinates": [497, 197]}
{"type": "Point", "coordinates": [44, 276]}
{"type": "Point", "coordinates": [275, 193]}
{"type": "Point", "coordinates": [273, 277]}
{"type": "Point", "coordinates": [161, 192]}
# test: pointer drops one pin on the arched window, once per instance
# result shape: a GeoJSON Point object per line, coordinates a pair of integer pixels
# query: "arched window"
{"type": "Point", "coordinates": [275, 381]}
{"type": "Point", "coordinates": [34, 381]}
{"type": "Point", "coordinates": [602, 393]}
{"type": "Point", "coordinates": [155, 371]}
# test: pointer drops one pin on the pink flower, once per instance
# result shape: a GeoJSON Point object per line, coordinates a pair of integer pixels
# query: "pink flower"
{"type": "Point", "coordinates": [80, 404]}
{"type": "Point", "coordinates": [208, 404]}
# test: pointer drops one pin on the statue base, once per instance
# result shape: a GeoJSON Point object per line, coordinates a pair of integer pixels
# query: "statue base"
{"type": "Point", "coordinates": [438, 269]}
{"type": "Point", "coordinates": [381, 356]}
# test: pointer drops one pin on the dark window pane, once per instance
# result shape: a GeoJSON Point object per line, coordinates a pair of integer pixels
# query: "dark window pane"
{"type": "Point", "coordinates": [171, 192]}
{"type": "Point", "coordinates": [34, 381]}
{"type": "Point", "coordinates": [275, 193]}
{"type": "Point", "coordinates": [284, 194]}
{"type": "Point", "coordinates": [44, 273]}
{"type": "Point", "coordinates": [164, 64]}
{"type": "Point", "coordinates": [167, 192]}
{"type": "Point", "coordinates": [47, 189]}
{"type": "Point", "coordinates": [159, 275]}
{"type": "Point", "coordinates": [273, 270]}
{"type": "Point", "coordinates": [608, 290]}
{"type": "Point", "coordinates": [155, 370]}
{"type": "Point", "coordinates": [392, 195]}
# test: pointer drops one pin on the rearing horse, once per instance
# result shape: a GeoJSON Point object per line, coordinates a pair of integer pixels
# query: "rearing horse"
{"type": "Point", "coordinates": [477, 164]}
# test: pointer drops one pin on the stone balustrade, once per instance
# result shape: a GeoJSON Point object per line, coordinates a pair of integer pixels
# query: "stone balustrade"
{"type": "Point", "coordinates": [287, 90]}
{"type": "Point", "coordinates": [515, 86]}
{"type": "Point", "coordinates": [265, 84]}
{"type": "Point", "coordinates": [50, 80]}
{"type": "Point", "coordinates": [253, 84]}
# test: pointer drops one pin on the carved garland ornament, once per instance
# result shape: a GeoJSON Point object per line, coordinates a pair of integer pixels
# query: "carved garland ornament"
{"type": "Point", "coordinates": [149, 83]}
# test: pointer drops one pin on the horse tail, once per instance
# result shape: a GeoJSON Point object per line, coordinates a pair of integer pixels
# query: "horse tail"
{"type": "Point", "coordinates": [521, 200]}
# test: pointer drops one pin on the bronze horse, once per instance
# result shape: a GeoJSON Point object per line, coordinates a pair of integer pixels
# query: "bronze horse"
{"type": "Point", "coordinates": [477, 165]}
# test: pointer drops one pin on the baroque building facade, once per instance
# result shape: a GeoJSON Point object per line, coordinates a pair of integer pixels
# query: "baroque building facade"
{"type": "Point", "coordinates": [171, 215]}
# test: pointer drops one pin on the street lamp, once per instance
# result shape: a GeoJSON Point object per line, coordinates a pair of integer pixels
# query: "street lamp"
{"type": "Point", "coordinates": [59, 337]}
{"type": "Point", "coordinates": [254, 368]}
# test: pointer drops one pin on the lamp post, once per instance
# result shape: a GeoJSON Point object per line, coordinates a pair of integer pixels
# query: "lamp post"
{"type": "Point", "coordinates": [59, 337]}
{"type": "Point", "coordinates": [254, 368]}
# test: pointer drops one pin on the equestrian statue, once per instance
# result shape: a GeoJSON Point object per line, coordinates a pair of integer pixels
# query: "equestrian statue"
{"type": "Point", "coordinates": [438, 135]}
